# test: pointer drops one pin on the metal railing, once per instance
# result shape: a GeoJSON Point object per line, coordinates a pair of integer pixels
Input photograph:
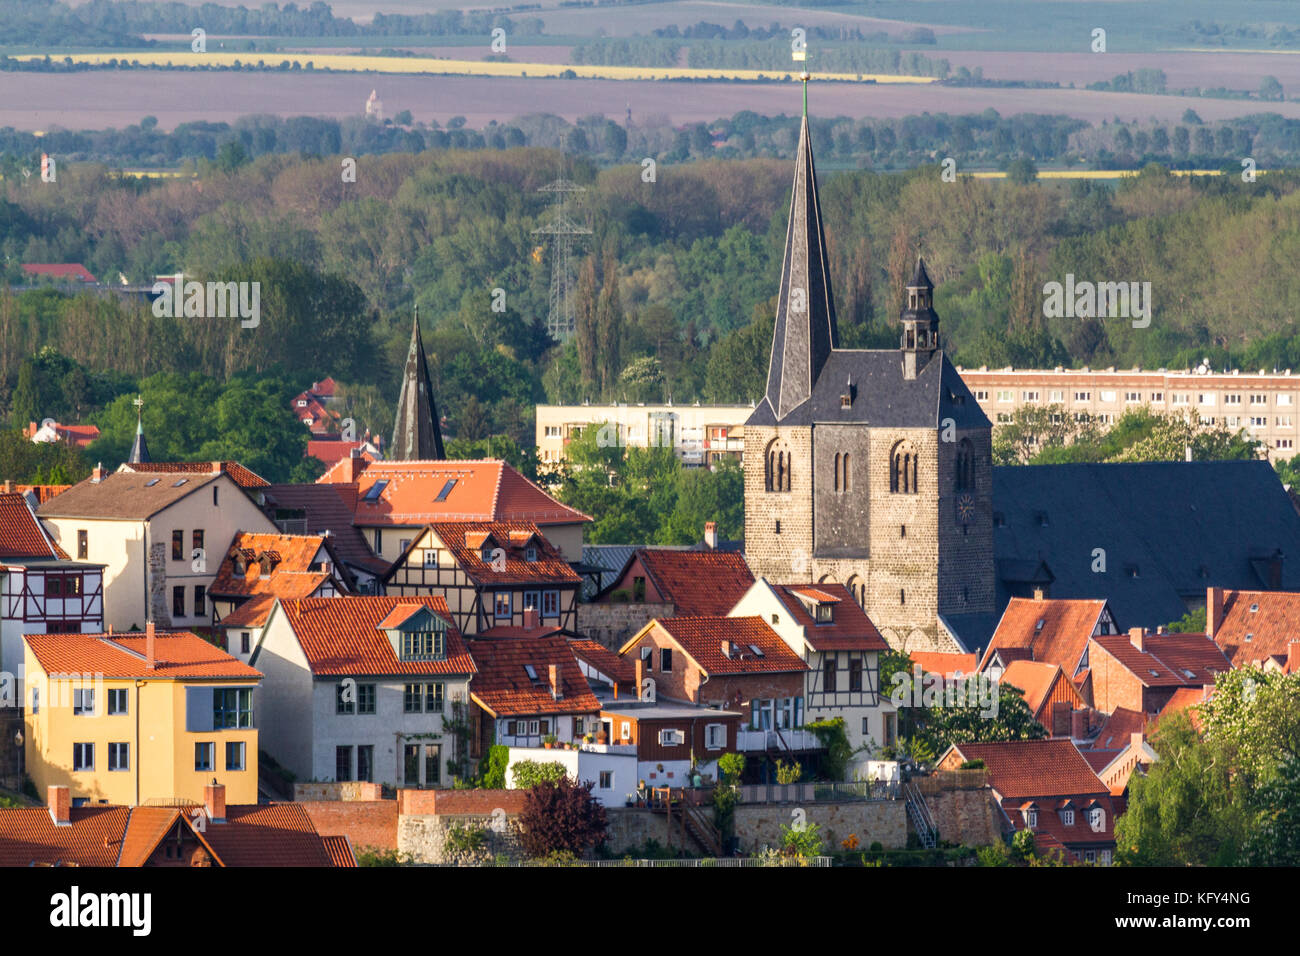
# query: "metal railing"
{"type": "Point", "coordinates": [786, 739]}
{"type": "Point", "coordinates": [819, 792]}
{"type": "Point", "coordinates": [737, 861]}
{"type": "Point", "coordinates": [919, 812]}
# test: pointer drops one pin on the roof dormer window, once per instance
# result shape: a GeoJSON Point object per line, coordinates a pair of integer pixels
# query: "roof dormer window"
{"type": "Point", "coordinates": [530, 553]}
{"type": "Point", "coordinates": [424, 645]}
{"type": "Point", "coordinates": [824, 613]}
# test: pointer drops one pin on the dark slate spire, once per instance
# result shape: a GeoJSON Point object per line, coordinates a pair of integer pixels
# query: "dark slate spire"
{"type": "Point", "coordinates": [920, 323]}
{"type": "Point", "coordinates": [139, 449]}
{"type": "Point", "coordinates": [416, 435]}
{"type": "Point", "coordinates": [805, 311]}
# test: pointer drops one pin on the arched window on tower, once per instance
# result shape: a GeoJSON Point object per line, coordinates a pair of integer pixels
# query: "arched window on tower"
{"type": "Point", "coordinates": [858, 588]}
{"type": "Point", "coordinates": [903, 469]}
{"type": "Point", "coordinates": [841, 471]}
{"type": "Point", "coordinates": [777, 471]}
{"type": "Point", "coordinates": [964, 467]}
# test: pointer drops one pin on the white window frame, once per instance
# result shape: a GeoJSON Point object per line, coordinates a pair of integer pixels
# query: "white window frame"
{"type": "Point", "coordinates": [711, 735]}
{"type": "Point", "coordinates": [670, 737]}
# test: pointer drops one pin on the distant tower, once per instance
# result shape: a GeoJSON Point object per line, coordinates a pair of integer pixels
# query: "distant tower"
{"type": "Point", "coordinates": [374, 107]}
{"type": "Point", "coordinates": [139, 449]}
{"type": "Point", "coordinates": [629, 116]}
{"type": "Point", "coordinates": [416, 434]}
{"type": "Point", "coordinates": [559, 319]}
{"type": "Point", "coordinates": [920, 324]}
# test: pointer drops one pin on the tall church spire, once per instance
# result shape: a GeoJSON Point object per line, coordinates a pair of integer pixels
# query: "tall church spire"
{"type": "Point", "coordinates": [805, 330]}
{"type": "Point", "coordinates": [139, 449]}
{"type": "Point", "coordinates": [416, 434]}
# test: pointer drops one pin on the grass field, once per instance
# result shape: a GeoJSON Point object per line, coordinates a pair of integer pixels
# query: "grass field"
{"type": "Point", "coordinates": [439, 67]}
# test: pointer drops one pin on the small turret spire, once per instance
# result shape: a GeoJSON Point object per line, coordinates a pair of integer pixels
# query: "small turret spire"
{"type": "Point", "coordinates": [139, 448]}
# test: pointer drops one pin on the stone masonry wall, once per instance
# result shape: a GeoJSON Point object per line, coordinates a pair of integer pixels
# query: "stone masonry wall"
{"type": "Point", "coordinates": [160, 609]}
{"type": "Point", "coordinates": [785, 556]}
{"type": "Point", "coordinates": [613, 624]}
{"type": "Point", "coordinates": [965, 816]}
{"type": "Point", "coordinates": [759, 825]}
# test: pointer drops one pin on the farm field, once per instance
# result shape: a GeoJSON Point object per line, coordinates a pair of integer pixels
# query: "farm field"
{"type": "Point", "coordinates": [1183, 69]}
{"type": "Point", "coordinates": [100, 99]}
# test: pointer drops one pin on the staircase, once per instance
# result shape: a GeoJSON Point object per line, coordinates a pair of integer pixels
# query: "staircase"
{"type": "Point", "coordinates": [919, 813]}
{"type": "Point", "coordinates": [701, 829]}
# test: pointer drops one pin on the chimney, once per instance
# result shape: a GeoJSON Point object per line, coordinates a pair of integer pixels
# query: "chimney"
{"type": "Point", "coordinates": [1135, 741]}
{"type": "Point", "coordinates": [150, 647]}
{"type": "Point", "coordinates": [1061, 719]}
{"type": "Point", "coordinates": [60, 802]}
{"type": "Point", "coordinates": [530, 618]}
{"type": "Point", "coordinates": [9, 485]}
{"type": "Point", "coordinates": [1038, 594]}
{"type": "Point", "coordinates": [640, 669]}
{"type": "Point", "coordinates": [218, 467]}
{"type": "Point", "coordinates": [553, 672]}
{"type": "Point", "coordinates": [1079, 724]}
{"type": "Point", "coordinates": [97, 475]}
{"type": "Point", "coordinates": [1213, 611]}
{"type": "Point", "coordinates": [1293, 657]}
{"type": "Point", "coordinates": [214, 801]}
{"type": "Point", "coordinates": [1137, 637]}
{"type": "Point", "coordinates": [711, 534]}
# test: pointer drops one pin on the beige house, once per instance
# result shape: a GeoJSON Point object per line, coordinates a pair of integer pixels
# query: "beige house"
{"type": "Point", "coordinates": [160, 537]}
{"type": "Point", "coordinates": [698, 434]}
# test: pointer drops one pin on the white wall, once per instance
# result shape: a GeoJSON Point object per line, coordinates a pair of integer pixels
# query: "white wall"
{"type": "Point", "coordinates": [285, 722]}
{"type": "Point", "coordinates": [585, 765]}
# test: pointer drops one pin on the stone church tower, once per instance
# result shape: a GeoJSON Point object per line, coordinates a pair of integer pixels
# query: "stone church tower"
{"type": "Point", "coordinates": [869, 468]}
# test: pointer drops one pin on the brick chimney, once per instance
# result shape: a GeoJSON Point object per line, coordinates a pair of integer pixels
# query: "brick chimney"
{"type": "Point", "coordinates": [1137, 637]}
{"type": "Point", "coordinates": [214, 801]}
{"type": "Point", "coordinates": [150, 647]}
{"type": "Point", "coordinates": [1079, 724]}
{"type": "Point", "coordinates": [97, 473]}
{"type": "Point", "coordinates": [1038, 594]}
{"type": "Point", "coordinates": [1293, 657]}
{"type": "Point", "coordinates": [1061, 719]}
{"type": "Point", "coordinates": [1213, 611]}
{"type": "Point", "coordinates": [711, 534]}
{"type": "Point", "coordinates": [9, 486]}
{"type": "Point", "coordinates": [60, 802]}
{"type": "Point", "coordinates": [531, 619]}
{"type": "Point", "coordinates": [553, 673]}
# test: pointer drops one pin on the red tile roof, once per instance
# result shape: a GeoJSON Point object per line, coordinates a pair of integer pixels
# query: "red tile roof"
{"type": "Point", "coordinates": [504, 688]}
{"type": "Point", "coordinates": [332, 451]}
{"type": "Point", "coordinates": [937, 662]}
{"type": "Point", "coordinates": [1169, 660]}
{"type": "Point", "coordinates": [1061, 639]}
{"type": "Point", "coordinates": [339, 849]}
{"type": "Point", "coordinates": [697, 582]}
{"type": "Point", "coordinates": [601, 658]}
{"type": "Point", "coordinates": [271, 834]}
{"type": "Point", "coordinates": [700, 638]}
{"type": "Point", "coordinates": [1271, 626]}
{"type": "Point", "coordinates": [1188, 699]}
{"type": "Point", "coordinates": [28, 835]}
{"type": "Point", "coordinates": [145, 830]}
{"type": "Point", "coordinates": [290, 558]}
{"type": "Point", "coordinates": [1118, 730]}
{"type": "Point", "coordinates": [341, 635]}
{"type": "Point", "coordinates": [237, 472]}
{"type": "Point", "coordinates": [21, 535]}
{"type": "Point", "coordinates": [849, 628]}
{"type": "Point", "coordinates": [181, 655]}
{"type": "Point", "coordinates": [59, 270]}
{"type": "Point", "coordinates": [327, 507]}
{"type": "Point", "coordinates": [487, 490]}
{"type": "Point", "coordinates": [1036, 679]}
{"type": "Point", "coordinates": [465, 540]}
{"type": "Point", "coordinates": [1025, 769]}
{"type": "Point", "coordinates": [515, 630]}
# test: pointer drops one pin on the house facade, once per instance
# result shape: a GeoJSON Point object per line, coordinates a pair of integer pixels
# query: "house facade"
{"type": "Point", "coordinates": [672, 741]}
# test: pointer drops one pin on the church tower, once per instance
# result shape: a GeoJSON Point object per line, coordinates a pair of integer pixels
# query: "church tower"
{"type": "Point", "coordinates": [416, 433]}
{"type": "Point", "coordinates": [139, 448]}
{"type": "Point", "coordinates": [870, 468]}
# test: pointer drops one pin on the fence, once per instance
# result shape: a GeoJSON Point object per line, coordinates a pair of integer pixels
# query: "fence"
{"type": "Point", "coordinates": [942, 780]}
{"type": "Point", "coordinates": [819, 792]}
{"type": "Point", "coordinates": [709, 862]}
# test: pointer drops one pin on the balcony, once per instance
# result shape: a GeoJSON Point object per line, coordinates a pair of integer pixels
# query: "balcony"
{"type": "Point", "coordinates": [786, 740]}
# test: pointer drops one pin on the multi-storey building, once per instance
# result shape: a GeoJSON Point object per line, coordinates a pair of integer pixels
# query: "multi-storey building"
{"type": "Point", "coordinates": [699, 435]}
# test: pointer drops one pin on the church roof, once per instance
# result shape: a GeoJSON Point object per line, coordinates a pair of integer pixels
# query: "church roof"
{"type": "Point", "coordinates": [881, 396]}
{"type": "Point", "coordinates": [139, 448]}
{"type": "Point", "coordinates": [1167, 530]}
{"type": "Point", "coordinates": [920, 278]}
{"type": "Point", "coordinates": [416, 433]}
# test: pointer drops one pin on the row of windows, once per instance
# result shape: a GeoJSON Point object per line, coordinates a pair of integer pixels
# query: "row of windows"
{"type": "Point", "coordinates": [547, 601]}
{"type": "Point", "coordinates": [200, 601]}
{"type": "Point", "coordinates": [119, 756]}
{"type": "Point", "coordinates": [830, 676]}
{"type": "Point", "coordinates": [178, 544]}
{"type": "Point", "coordinates": [1007, 395]}
{"type": "Point", "coordinates": [360, 699]}
{"type": "Point", "coordinates": [232, 707]}
{"type": "Point", "coordinates": [903, 469]}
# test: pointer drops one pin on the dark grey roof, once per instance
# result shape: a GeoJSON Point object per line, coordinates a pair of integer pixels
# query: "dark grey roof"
{"type": "Point", "coordinates": [139, 448]}
{"type": "Point", "coordinates": [920, 278]}
{"type": "Point", "coordinates": [881, 396]}
{"type": "Point", "coordinates": [416, 433]}
{"type": "Point", "coordinates": [1169, 530]}
{"type": "Point", "coordinates": [972, 631]}
{"type": "Point", "coordinates": [805, 331]}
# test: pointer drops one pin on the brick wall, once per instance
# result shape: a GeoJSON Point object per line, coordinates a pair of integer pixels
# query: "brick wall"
{"type": "Point", "coordinates": [1113, 684]}
{"type": "Point", "coordinates": [346, 791]}
{"type": "Point", "coordinates": [367, 823]}
{"type": "Point", "coordinates": [613, 624]}
{"type": "Point", "coordinates": [417, 802]}
{"type": "Point", "coordinates": [779, 557]}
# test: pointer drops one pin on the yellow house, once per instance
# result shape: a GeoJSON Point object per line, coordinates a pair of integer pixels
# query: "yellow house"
{"type": "Point", "coordinates": [136, 719]}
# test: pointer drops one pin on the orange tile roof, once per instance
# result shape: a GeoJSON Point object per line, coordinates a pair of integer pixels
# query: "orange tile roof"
{"type": "Point", "coordinates": [341, 636]}
{"type": "Point", "coordinates": [465, 540]}
{"type": "Point", "coordinates": [602, 659]}
{"type": "Point", "coordinates": [1271, 627]}
{"type": "Point", "coordinates": [1035, 678]}
{"type": "Point", "coordinates": [1188, 699]}
{"type": "Point", "coordinates": [487, 490]}
{"type": "Point", "coordinates": [1169, 660]}
{"type": "Point", "coordinates": [252, 613]}
{"type": "Point", "coordinates": [328, 508]}
{"type": "Point", "coordinates": [145, 830]}
{"type": "Point", "coordinates": [937, 662]}
{"type": "Point", "coordinates": [269, 834]}
{"type": "Point", "coordinates": [1118, 730]}
{"type": "Point", "coordinates": [43, 493]}
{"type": "Point", "coordinates": [1023, 769]}
{"type": "Point", "coordinates": [289, 553]}
{"type": "Point", "coordinates": [701, 639]}
{"type": "Point", "coordinates": [503, 687]}
{"type": "Point", "coordinates": [849, 629]}
{"type": "Point", "coordinates": [697, 582]}
{"type": "Point", "coordinates": [339, 849]}
{"type": "Point", "coordinates": [28, 835]}
{"type": "Point", "coordinates": [1062, 638]}
{"type": "Point", "coordinates": [181, 655]}
{"type": "Point", "coordinates": [21, 535]}
{"type": "Point", "coordinates": [237, 472]}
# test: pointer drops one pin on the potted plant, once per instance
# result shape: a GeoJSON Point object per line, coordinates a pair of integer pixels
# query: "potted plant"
{"type": "Point", "coordinates": [602, 737]}
{"type": "Point", "coordinates": [549, 741]}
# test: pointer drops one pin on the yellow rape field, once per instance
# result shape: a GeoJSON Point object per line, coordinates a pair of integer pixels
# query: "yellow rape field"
{"type": "Point", "coordinates": [433, 65]}
{"type": "Point", "coordinates": [1100, 173]}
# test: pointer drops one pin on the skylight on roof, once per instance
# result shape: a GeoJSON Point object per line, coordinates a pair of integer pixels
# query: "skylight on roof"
{"type": "Point", "coordinates": [446, 490]}
{"type": "Point", "coordinates": [531, 672]}
{"type": "Point", "coordinates": [1254, 608]}
{"type": "Point", "coordinates": [1187, 673]}
{"type": "Point", "coordinates": [757, 651]}
{"type": "Point", "coordinates": [151, 482]}
{"type": "Point", "coordinates": [375, 490]}
{"type": "Point", "coordinates": [178, 482]}
{"type": "Point", "coordinates": [1038, 625]}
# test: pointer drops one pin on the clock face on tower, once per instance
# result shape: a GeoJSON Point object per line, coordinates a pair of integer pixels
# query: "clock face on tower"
{"type": "Point", "coordinates": [965, 507]}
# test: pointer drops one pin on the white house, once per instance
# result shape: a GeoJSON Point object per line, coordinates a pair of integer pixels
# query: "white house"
{"type": "Point", "coordinates": [611, 769]}
{"type": "Point", "coordinates": [362, 687]}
